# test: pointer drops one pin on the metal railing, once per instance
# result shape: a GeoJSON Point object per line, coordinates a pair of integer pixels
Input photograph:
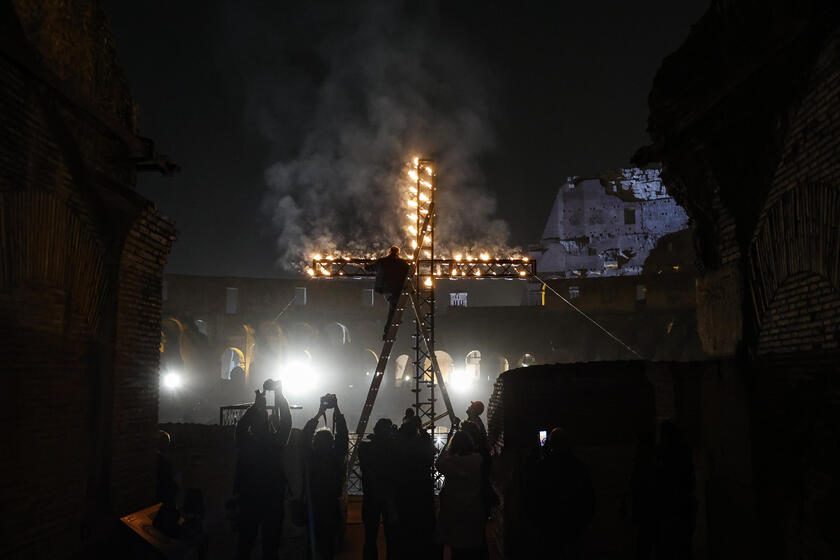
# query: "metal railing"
{"type": "Point", "coordinates": [231, 414]}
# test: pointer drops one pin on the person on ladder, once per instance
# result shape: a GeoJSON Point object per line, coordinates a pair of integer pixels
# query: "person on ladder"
{"type": "Point", "coordinates": [391, 272]}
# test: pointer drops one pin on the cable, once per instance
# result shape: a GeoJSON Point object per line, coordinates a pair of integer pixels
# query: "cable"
{"type": "Point", "coordinates": [588, 318]}
{"type": "Point", "coordinates": [291, 301]}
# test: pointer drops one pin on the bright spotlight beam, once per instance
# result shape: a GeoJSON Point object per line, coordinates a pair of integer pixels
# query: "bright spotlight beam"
{"type": "Point", "coordinates": [299, 379]}
{"type": "Point", "coordinates": [460, 381]}
{"type": "Point", "coordinates": [172, 381]}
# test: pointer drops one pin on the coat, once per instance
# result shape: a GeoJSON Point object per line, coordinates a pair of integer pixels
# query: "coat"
{"type": "Point", "coordinates": [390, 274]}
{"type": "Point", "coordinates": [462, 517]}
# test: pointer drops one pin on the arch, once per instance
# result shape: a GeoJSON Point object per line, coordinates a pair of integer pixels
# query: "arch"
{"type": "Point", "coordinates": [302, 334]}
{"type": "Point", "coordinates": [231, 358]}
{"type": "Point", "coordinates": [527, 359]}
{"type": "Point", "coordinates": [797, 232]}
{"type": "Point", "coordinates": [47, 244]}
{"type": "Point", "coordinates": [472, 365]}
{"type": "Point", "coordinates": [337, 333]}
{"type": "Point", "coordinates": [445, 362]}
{"type": "Point", "coordinates": [399, 370]}
{"type": "Point", "coordinates": [369, 362]}
{"type": "Point", "coordinates": [172, 331]}
{"type": "Point", "coordinates": [813, 327]}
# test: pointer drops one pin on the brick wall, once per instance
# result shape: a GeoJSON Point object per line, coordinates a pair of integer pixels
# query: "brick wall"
{"type": "Point", "coordinates": [136, 376]}
{"type": "Point", "coordinates": [80, 424]}
{"type": "Point", "coordinates": [793, 263]}
{"type": "Point", "coordinates": [803, 316]}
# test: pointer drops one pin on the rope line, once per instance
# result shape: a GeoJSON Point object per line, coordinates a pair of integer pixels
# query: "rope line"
{"type": "Point", "coordinates": [588, 318]}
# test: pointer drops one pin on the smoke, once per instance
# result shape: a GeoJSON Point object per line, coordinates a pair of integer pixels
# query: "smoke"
{"type": "Point", "coordinates": [393, 87]}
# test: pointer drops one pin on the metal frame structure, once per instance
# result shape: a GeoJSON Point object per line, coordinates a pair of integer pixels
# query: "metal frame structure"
{"type": "Point", "coordinates": [424, 305]}
{"type": "Point", "coordinates": [444, 268]}
{"type": "Point", "coordinates": [419, 292]}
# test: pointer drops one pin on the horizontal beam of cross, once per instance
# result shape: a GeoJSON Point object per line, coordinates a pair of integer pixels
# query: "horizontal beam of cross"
{"type": "Point", "coordinates": [443, 268]}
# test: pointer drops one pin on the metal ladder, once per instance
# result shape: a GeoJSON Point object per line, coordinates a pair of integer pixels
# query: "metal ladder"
{"type": "Point", "coordinates": [408, 295]}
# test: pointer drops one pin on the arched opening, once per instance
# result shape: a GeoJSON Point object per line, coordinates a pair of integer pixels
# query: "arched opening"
{"type": "Point", "coordinates": [232, 358]}
{"type": "Point", "coordinates": [527, 360]}
{"type": "Point", "coordinates": [370, 361]}
{"type": "Point", "coordinates": [269, 337]}
{"type": "Point", "coordinates": [337, 334]}
{"type": "Point", "coordinates": [472, 365]}
{"type": "Point", "coordinates": [446, 364]}
{"type": "Point", "coordinates": [400, 374]}
{"type": "Point", "coordinates": [172, 332]}
{"type": "Point", "coordinates": [302, 335]}
{"type": "Point", "coordinates": [233, 374]}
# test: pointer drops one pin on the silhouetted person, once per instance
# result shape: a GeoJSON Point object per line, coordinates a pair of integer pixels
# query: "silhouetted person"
{"type": "Point", "coordinates": [167, 489]}
{"type": "Point", "coordinates": [295, 535]}
{"type": "Point", "coordinates": [674, 495]}
{"type": "Point", "coordinates": [488, 495]}
{"type": "Point", "coordinates": [462, 516]}
{"type": "Point", "coordinates": [259, 483]}
{"type": "Point", "coordinates": [325, 471]}
{"type": "Point", "coordinates": [474, 412]}
{"type": "Point", "coordinates": [644, 502]}
{"type": "Point", "coordinates": [238, 386]}
{"type": "Point", "coordinates": [377, 462]}
{"type": "Point", "coordinates": [561, 499]}
{"type": "Point", "coordinates": [414, 491]}
{"type": "Point", "coordinates": [391, 272]}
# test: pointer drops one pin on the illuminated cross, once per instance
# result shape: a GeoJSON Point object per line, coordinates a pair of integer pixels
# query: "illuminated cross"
{"type": "Point", "coordinates": [420, 289]}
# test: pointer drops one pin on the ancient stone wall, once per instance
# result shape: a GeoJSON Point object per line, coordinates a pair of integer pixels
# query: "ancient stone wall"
{"type": "Point", "coordinates": [743, 120]}
{"type": "Point", "coordinates": [81, 259]}
{"type": "Point", "coordinates": [607, 226]}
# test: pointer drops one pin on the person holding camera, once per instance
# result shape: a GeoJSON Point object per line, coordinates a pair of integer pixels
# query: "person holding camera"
{"type": "Point", "coordinates": [259, 485]}
{"type": "Point", "coordinates": [325, 459]}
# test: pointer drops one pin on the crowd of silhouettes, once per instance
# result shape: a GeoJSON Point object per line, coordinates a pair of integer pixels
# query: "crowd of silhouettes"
{"type": "Point", "coordinates": [559, 498]}
{"type": "Point", "coordinates": [398, 479]}
{"type": "Point", "coordinates": [289, 483]}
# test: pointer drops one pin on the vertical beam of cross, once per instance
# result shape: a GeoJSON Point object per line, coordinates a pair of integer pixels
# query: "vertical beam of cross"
{"type": "Point", "coordinates": [424, 290]}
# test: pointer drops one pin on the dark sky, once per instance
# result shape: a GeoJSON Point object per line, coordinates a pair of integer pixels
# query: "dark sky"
{"type": "Point", "coordinates": [290, 119]}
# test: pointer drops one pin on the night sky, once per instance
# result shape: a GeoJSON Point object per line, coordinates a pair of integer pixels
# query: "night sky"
{"type": "Point", "coordinates": [291, 119]}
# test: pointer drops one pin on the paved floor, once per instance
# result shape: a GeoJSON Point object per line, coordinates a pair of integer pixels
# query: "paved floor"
{"type": "Point", "coordinates": [354, 537]}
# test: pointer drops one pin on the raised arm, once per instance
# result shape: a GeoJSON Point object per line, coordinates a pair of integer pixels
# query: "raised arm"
{"type": "Point", "coordinates": [309, 430]}
{"type": "Point", "coordinates": [285, 425]}
{"type": "Point", "coordinates": [248, 418]}
{"type": "Point", "coordinates": [342, 436]}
